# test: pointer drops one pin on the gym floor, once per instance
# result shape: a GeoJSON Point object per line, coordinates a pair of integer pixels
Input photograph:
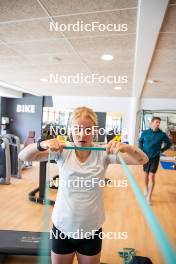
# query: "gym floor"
{"type": "Point", "coordinates": [122, 212]}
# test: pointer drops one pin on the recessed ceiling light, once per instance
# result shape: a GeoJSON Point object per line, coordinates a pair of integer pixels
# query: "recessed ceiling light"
{"type": "Point", "coordinates": [43, 80]}
{"type": "Point", "coordinates": [118, 88]}
{"type": "Point", "coordinates": [107, 57]}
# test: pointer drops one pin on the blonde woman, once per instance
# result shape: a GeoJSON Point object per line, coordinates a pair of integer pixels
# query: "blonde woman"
{"type": "Point", "coordinates": [78, 213]}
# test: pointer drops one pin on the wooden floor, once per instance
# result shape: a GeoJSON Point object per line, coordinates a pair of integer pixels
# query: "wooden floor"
{"type": "Point", "coordinates": [122, 212]}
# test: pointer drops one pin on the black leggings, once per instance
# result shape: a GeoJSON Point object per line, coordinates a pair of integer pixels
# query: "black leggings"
{"type": "Point", "coordinates": [65, 245]}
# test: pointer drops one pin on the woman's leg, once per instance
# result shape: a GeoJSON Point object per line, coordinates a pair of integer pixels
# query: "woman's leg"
{"type": "Point", "coordinates": [62, 251]}
{"type": "Point", "coordinates": [62, 259]}
{"type": "Point", "coordinates": [146, 175]}
{"type": "Point", "coordinates": [89, 250]}
{"type": "Point", "coordinates": [151, 185]}
{"type": "Point", "coordinates": [83, 259]}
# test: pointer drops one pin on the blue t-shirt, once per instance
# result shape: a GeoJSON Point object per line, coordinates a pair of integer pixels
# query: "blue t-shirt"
{"type": "Point", "coordinates": [151, 142]}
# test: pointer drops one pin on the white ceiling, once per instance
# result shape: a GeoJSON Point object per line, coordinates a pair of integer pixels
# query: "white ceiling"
{"type": "Point", "coordinates": [29, 51]}
{"type": "Point", "coordinates": [163, 65]}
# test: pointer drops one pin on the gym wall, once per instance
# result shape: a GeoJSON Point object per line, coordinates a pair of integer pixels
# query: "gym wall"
{"type": "Point", "coordinates": [47, 101]}
{"type": "Point", "coordinates": [21, 122]}
{"type": "Point", "coordinates": [3, 103]}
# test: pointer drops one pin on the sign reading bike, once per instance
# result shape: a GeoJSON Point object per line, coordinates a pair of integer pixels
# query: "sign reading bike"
{"type": "Point", "coordinates": [26, 108]}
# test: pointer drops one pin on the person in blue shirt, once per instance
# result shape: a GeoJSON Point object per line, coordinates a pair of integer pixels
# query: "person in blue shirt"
{"type": "Point", "coordinates": [153, 142]}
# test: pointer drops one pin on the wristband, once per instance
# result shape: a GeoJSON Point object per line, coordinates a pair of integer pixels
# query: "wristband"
{"type": "Point", "coordinates": [38, 145]}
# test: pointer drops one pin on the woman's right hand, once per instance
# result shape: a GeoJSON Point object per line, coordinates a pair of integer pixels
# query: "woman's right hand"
{"type": "Point", "coordinates": [52, 144]}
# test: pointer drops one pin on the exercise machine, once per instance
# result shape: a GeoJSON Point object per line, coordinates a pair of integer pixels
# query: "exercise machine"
{"type": "Point", "coordinates": [14, 146]}
{"type": "Point", "coordinates": [41, 188]}
{"type": "Point", "coordinates": [22, 243]}
{"type": "Point", "coordinates": [5, 163]}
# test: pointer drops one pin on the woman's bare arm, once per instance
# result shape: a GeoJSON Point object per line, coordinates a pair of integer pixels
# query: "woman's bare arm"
{"type": "Point", "coordinates": [31, 153]}
{"type": "Point", "coordinates": [131, 154]}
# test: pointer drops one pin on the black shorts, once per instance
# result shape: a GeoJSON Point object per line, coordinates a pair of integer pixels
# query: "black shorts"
{"type": "Point", "coordinates": [62, 244]}
{"type": "Point", "coordinates": [152, 165]}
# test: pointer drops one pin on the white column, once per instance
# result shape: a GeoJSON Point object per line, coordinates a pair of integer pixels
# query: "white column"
{"type": "Point", "coordinates": [134, 107]}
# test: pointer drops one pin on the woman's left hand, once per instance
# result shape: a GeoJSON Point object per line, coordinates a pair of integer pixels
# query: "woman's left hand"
{"type": "Point", "coordinates": [113, 147]}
